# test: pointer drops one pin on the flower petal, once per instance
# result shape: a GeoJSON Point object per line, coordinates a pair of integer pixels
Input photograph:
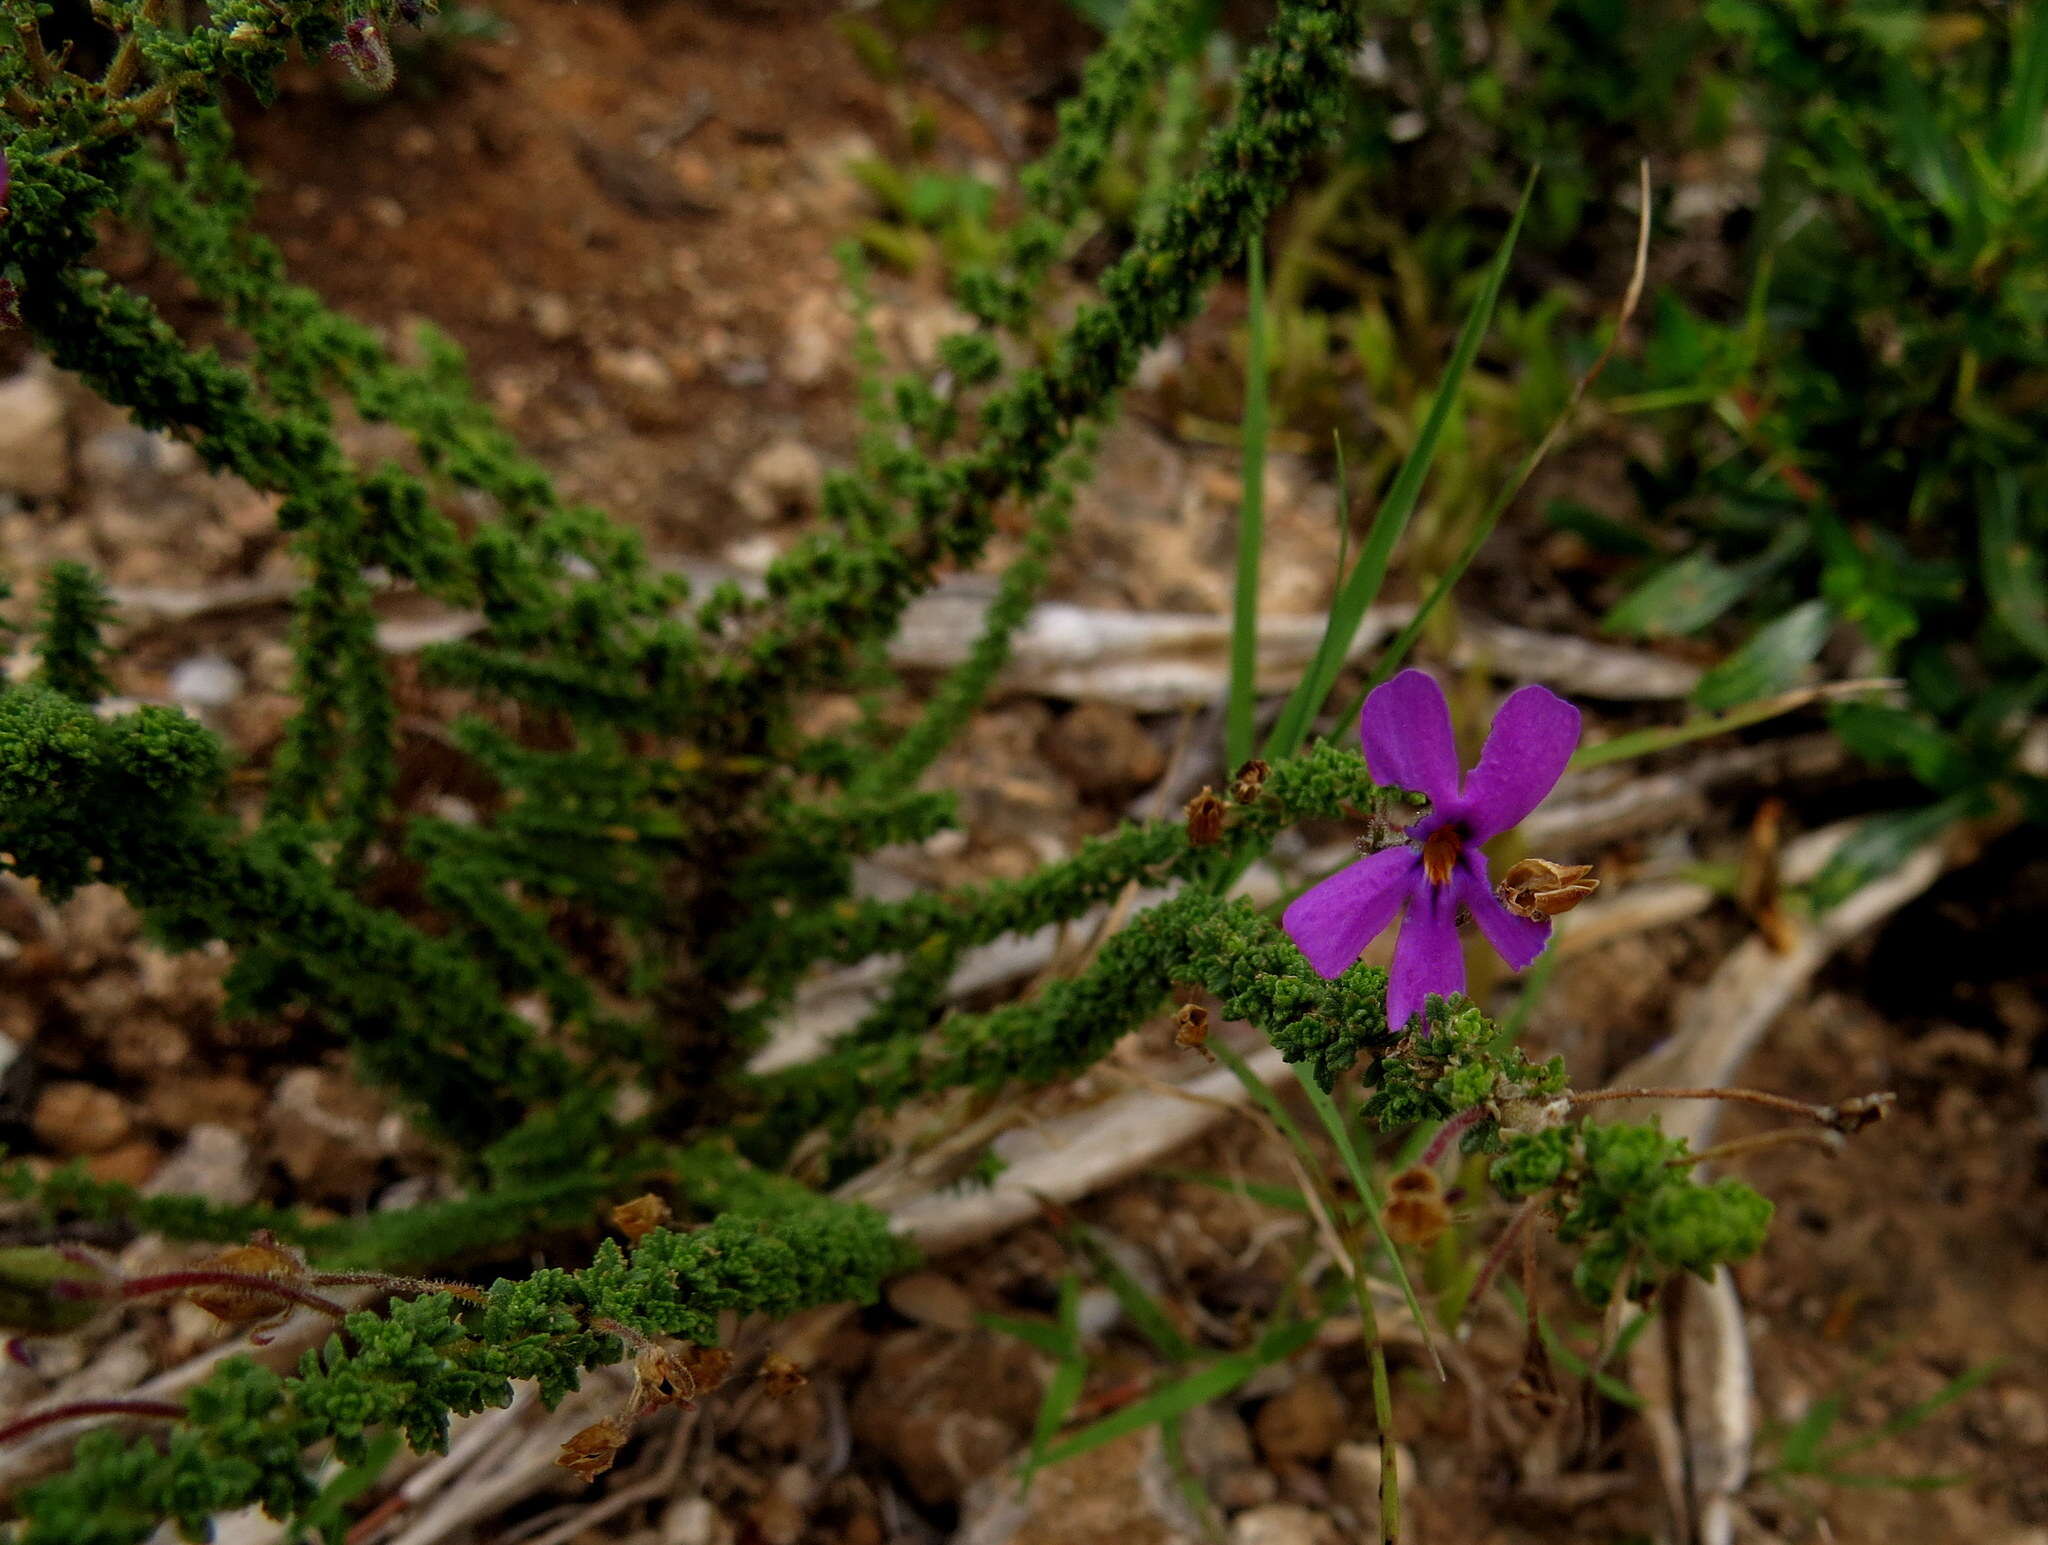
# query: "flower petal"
{"type": "Point", "coordinates": [1406, 728]}
{"type": "Point", "coordinates": [1517, 940]}
{"type": "Point", "coordinates": [1428, 959]}
{"type": "Point", "coordinates": [1533, 736]}
{"type": "Point", "coordinates": [1332, 922]}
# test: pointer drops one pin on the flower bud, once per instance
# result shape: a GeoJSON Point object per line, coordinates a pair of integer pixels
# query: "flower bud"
{"type": "Point", "coordinates": [33, 1300]}
{"type": "Point", "coordinates": [368, 57]}
{"type": "Point", "coordinates": [263, 1256]}
{"type": "Point", "coordinates": [1539, 890]}
{"type": "Point", "coordinates": [1416, 1212]}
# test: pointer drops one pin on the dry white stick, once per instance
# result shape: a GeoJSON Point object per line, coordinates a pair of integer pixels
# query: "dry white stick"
{"type": "Point", "coordinates": [1709, 1449]}
{"type": "Point", "coordinates": [1722, 1024]}
{"type": "Point", "coordinates": [1150, 661]}
{"type": "Point", "coordinates": [509, 1470]}
{"type": "Point", "coordinates": [1071, 1156]}
{"type": "Point", "coordinates": [42, 1450]}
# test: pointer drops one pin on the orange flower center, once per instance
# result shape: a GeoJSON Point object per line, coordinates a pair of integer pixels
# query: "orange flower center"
{"type": "Point", "coordinates": [1440, 852]}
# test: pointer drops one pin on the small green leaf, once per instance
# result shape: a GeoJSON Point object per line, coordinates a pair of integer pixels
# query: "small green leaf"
{"type": "Point", "coordinates": [1069, 1377]}
{"type": "Point", "coordinates": [1680, 598]}
{"type": "Point", "coordinates": [2013, 566]}
{"type": "Point", "coordinates": [1283, 1197]}
{"type": "Point", "coordinates": [1876, 848]}
{"type": "Point", "coordinates": [1183, 1395]}
{"type": "Point", "coordinates": [1043, 1335]}
{"type": "Point", "coordinates": [1771, 661]}
{"type": "Point", "coordinates": [1896, 737]}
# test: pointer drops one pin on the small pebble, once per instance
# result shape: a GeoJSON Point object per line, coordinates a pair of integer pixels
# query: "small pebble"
{"type": "Point", "coordinates": [80, 1118]}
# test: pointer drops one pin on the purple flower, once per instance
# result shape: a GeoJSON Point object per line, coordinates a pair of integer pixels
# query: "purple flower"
{"type": "Point", "coordinates": [1406, 728]}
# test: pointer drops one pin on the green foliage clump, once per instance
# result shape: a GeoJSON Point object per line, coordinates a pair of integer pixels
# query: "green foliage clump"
{"type": "Point", "coordinates": [1458, 1064]}
{"type": "Point", "coordinates": [68, 643]}
{"type": "Point", "coordinates": [1625, 1195]}
{"type": "Point", "coordinates": [778, 1249]}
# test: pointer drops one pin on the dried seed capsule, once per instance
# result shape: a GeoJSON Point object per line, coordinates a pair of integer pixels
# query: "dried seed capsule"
{"type": "Point", "coordinates": [1191, 1027]}
{"type": "Point", "coordinates": [662, 1377]}
{"type": "Point", "coordinates": [781, 1376]}
{"type": "Point", "coordinates": [640, 1217]}
{"type": "Point", "coordinates": [1538, 889]}
{"type": "Point", "coordinates": [1859, 1111]}
{"type": "Point", "coordinates": [590, 1453]}
{"type": "Point", "coordinates": [1205, 819]}
{"type": "Point", "coordinates": [1250, 781]}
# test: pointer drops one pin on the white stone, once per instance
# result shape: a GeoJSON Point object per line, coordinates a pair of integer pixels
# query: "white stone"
{"type": "Point", "coordinates": [205, 681]}
{"type": "Point", "coordinates": [215, 1163]}
{"type": "Point", "coordinates": [781, 478]}
{"type": "Point", "coordinates": [35, 450]}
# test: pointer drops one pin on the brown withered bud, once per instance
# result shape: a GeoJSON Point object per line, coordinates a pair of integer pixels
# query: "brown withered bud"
{"type": "Point", "coordinates": [262, 1256]}
{"type": "Point", "coordinates": [1205, 819]}
{"type": "Point", "coordinates": [591, 1452]}
{"type": "Point", "coordinates": [1416, 1212]}
{"type": "Point", "coordinates": [708, 1367]}
{"type": "Point", "coordinates": [1250, 781]}
{"type": "Point", "coordinates": [1191, 1027]}
{"type": "Point", "coordinates": [781, 1376]}
{"type": "Point", "coordinates": [1538, 889]}
{"type": "Point", "coordinates": [1852, 1115]}
{"type": "Point", "coordinates": [640, 1217]}
{"type": "Point", "coordinates": [672, 1376]}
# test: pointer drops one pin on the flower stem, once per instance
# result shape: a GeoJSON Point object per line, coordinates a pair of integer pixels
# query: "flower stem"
{"type": "Point", "coordinates": [1382, 1415]}
{"type": "Point", "coordinates": [1777, 1102]}
{"type": "Point", "coordinates": [418, 1285]}
{"type": "Point", "coordinates": [202, 1277]}
{"type": "Point", "coordinates": [1447, 1134]}
{"type": "Point", "coordinates": [22, 1427]}
{"type": "Point", "coordinates": [1497, 1256]}
{"type": "Point", "coordinates": [1368, 1318]}
{"type": "Point", "coordinates": [1827, 1142]}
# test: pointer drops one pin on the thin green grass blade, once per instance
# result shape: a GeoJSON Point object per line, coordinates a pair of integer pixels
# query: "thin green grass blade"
{"type": "Point", "coordinates": [1328, 644]}
{"type": "Point", "coordinates": [1369, 1195]}
{"type": "Point", "coordinates": [1184, 1395]}
{"type": "Point", "coordinates": [1961, 1385]}
{"type": "Point", "coordinates": [1146, 1313]}
{"type": "Point", "coordinates": [1251, 531]}
{"type": "Point", "coordinates": [1043, 1335]}
{"type": "Point", "coordinates": [1266, 1196]}
{"type": "Point", "coordinates": [1362, 586]}
{"type": "Point", "coordinates": [1343, 506]}
{"type": "Point", "coordinates": [1644, 742]}
{"type": "Point", "coordinates": [1063, 1389]}
{"type": "Point", "coordinates": [1268, 1102]}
